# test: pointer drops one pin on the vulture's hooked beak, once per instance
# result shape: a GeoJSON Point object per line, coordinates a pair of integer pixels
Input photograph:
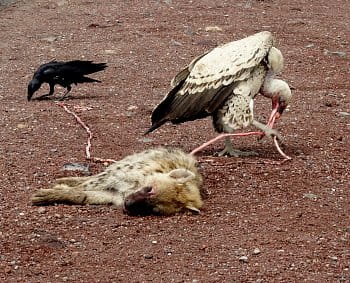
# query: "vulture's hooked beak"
{"type": "Point", "coordinates": [277, 109]}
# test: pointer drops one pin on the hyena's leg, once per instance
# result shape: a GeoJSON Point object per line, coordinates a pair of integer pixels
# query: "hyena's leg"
{"type": "Point", "coordinates": [71, 181]}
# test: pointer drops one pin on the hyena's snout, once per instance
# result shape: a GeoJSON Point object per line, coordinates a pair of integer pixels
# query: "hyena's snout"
{"type": "Point", "coordinates": [138, 203]}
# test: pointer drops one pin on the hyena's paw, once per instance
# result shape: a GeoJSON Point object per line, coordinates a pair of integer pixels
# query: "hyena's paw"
{"type": "Point", "coordinates": [45, 196]}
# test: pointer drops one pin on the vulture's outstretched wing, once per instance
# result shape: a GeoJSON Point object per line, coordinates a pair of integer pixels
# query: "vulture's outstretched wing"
{"type": "Point", "coordinates": [204, 85]}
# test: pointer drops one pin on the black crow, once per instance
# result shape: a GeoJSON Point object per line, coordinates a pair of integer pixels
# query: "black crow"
{"type": "Point", "coordinates": [64, 74]}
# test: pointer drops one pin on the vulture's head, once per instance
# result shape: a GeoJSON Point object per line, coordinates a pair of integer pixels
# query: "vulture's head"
{"type": "Point", "coordinates": [282, 97]}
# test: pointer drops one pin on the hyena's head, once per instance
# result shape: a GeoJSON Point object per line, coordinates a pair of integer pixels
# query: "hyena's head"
{"type": "Point", "coordinates": [167, 194]}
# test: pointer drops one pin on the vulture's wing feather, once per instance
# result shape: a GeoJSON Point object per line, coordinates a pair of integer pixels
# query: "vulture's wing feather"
{"type": "Point", "coordinates": [201, 88]}
{"type": "Point", "coordinates": [183, 74]}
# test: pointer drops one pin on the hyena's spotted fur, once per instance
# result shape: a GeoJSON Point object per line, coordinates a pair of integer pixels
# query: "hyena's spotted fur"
{"type": "Point", "coordinates": [159, 181]}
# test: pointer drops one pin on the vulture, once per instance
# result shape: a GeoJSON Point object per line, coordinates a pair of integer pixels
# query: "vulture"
{"type": "Point", "coordinates": [64, 74]}
{"type": "Point", "coordinates": [223, 83]}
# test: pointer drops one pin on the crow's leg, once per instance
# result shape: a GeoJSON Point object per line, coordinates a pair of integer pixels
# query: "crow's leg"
{"type": "Point", "coordinates": [69, 88]}
{"type": "Point", "coordinates": [52, 90]}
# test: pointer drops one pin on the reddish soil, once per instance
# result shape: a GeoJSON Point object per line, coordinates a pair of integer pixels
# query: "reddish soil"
{"type": "Point", "coordinates": [290, 222]}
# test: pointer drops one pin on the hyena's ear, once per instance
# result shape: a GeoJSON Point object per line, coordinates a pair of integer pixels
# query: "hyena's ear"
{"type": "Point", "coordinates": [182, 175]}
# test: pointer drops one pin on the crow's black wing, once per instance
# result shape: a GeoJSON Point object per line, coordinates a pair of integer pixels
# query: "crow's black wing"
{"type": "Point", "coordinates": [81, 68]}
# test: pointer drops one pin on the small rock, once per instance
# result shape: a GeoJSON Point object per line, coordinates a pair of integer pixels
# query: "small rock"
{"type": "Point", "coordinates": [256, 251]}
{"type": "Point", "coordinates": [243, 258]}
{"type": "Point", "coordinates": [333, 258]}
{"type": "Point", "coordinates": [335, 53]}
{"type": "Point", "coordinates": [132, 107]}
{"type": "Point", "coordinates": [41, 210]}
{"type": "Point", "coordinates": [50, 38]}
{"type": "Point", "coordinates": [148, 256]}
{"type": "Point", "coordinates": [176, 43]}
{"type": "Point", "coordinates": [129, 113]}
{"type": "Point", "coordinates": [310, 196]}
{"type": "Point", "coordinates": [146, 140]}
{"type": "Point", "coordinates": [154, 242]}
{"type": "Point", "coordinates": [213, 29]}
{"type": "Point", "coordinates": [21, 126]}
{"type": "Point", "coordinates": [74, 166]}
{"type": "Point", "coordinates": [61, 3]}
{"type": "Point", "coordinates": [344, 114]}
{"type": "Point", "coordinates": [310, 45]}
{"type": "Point", "coordinates": [110, 51]}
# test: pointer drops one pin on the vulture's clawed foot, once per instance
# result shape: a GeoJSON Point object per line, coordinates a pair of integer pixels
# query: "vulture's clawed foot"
{"type": "Point", "coordinates": [236, 153]}
{"type": "Point", "coordinates": [271, 133]}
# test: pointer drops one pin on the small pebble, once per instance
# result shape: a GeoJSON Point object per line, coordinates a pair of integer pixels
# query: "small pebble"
{"type": "Point", "coordinates": [41, 210]}
{"type": "Point", "coordinates": [344, 114]}
{"type": "Point", "coordinates": [154, 242]}
{"type": "Point", "coordinates": [310, 196]}
{"type": "Point", "coordinates": [145, 140]}
{"type": "Point", "coordinates": [132, 107]}
{"type": "Point", "coordinates": [243, 258]}
{"type": "Point", "coordinates": [74, 166]}
{"type": "Point", "coordinates": [110, 51]}
{"type": "Point", "coordinates": [336, 53]}
{"type": "Point", "coordinates": [256, 251]}
{"type": "Point", "coordinates": [213, 28]}
{"type": "Point", "coordinates": [177, 43]}
{"type": "Point", "coordinates": [21, 126]}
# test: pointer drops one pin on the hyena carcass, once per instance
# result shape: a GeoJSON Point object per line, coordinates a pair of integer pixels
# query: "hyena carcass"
{"type": "Point", "coordinates": [156, 181]}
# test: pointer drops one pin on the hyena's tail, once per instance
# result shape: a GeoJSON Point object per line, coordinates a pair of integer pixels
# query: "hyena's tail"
{"type": "Point", "coordinates": [59, 194]}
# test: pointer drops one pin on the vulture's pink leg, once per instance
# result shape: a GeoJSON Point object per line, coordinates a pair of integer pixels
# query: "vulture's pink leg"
{"type": "Point", "coordinates": [221, 136]}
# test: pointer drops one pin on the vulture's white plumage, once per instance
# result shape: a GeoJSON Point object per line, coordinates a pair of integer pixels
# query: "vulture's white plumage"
{"type": "Point", "coordinates": [223, 83]}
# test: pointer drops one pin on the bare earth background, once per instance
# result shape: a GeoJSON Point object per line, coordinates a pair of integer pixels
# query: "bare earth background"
{"type": "Point", "coordinates": [260, 222]}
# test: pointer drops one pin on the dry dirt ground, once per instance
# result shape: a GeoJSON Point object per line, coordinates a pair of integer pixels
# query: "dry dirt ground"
{"type": "Point", "coordinates": [260, 222]}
